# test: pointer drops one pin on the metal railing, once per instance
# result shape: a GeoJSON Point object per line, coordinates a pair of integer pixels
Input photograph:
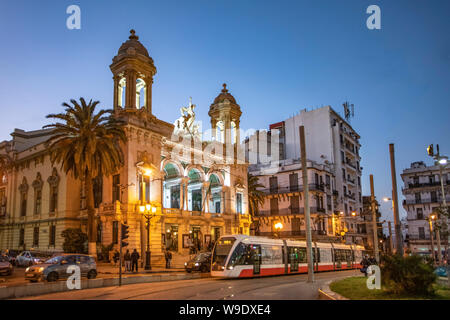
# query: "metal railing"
{"type": "Point", "coordinates": [289, 211]}
{"type": "Point", "coordinates": [280, 190]}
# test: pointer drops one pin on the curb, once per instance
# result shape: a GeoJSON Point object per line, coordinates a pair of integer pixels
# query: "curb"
{"type": "Point", "coordinates": [36, 289]}
{"type": "Point", "coordinates": [325, 293]}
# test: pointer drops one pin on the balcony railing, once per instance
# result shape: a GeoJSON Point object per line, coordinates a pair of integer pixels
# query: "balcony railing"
{"type": "Point", "coordinates": [298, 233]}
{"type": "Point", "coordinates": [421, 185]}
{"type": "Point", "coordinates": [289, 189]}
{"type": "Point", "coordinates": [289, 211]}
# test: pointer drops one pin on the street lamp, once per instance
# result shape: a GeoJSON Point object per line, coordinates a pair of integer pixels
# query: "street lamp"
{"type": "Point", "coordinates": [148, 212]}
{"type": "Point", "coordinates": [442, 162]}
{"type": "Point", "coordinates": [430, 220]}
{"type": "Point", "coordinates": [278, 226]}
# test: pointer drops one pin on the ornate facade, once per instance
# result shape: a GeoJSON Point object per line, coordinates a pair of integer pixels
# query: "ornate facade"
{"type": "Point", "coordinates": [197, 192]}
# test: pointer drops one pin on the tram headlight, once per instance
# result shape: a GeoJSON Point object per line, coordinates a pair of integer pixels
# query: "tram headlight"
{"type": "Point", "coordinates": [197, 264]}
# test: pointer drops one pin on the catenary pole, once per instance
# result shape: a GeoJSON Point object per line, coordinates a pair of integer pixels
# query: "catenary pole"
{"type": "Point", "coordinates": [374, 221]}
{"type": "Point", "coordinates": [306, 202]}
{"type": "Point", "coordinates": [397, 225]}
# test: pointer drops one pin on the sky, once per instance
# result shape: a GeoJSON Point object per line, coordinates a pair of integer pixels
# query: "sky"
{"type": "Point", "coordinates": [277, 57]}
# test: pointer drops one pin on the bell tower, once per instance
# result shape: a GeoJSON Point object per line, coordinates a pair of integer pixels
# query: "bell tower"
{"type": "Point", "coordinates": [225, 116]}
{"type": "Point", "coordinates": [133, 70]}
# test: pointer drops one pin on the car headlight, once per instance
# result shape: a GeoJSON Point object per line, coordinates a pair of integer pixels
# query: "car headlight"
{"type": "Point", "coordinates": [197, 264]}
{"type": "Point", "coordinates": [41, 269]}
{"type": "Point", "coordinates": [27, 269]}
{"type": "Point", "coordinates": [185, 264]}
{"type": "Point", "coordinates": [230, 267]}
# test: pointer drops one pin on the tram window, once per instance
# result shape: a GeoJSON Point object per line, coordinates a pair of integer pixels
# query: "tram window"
{"type": "Point", "coordinates": [242, 255]}
{"type": "Point", "coordinates": [296, 253]}
{"type": "Point", "coordinates": [271, 255]}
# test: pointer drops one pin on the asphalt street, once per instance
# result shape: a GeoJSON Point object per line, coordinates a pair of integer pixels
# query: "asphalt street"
{"type": "Point", "coordinates": [293, 287]}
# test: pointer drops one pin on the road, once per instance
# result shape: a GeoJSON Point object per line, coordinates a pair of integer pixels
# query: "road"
{"type": "Point", "coordinates": [292, 287]}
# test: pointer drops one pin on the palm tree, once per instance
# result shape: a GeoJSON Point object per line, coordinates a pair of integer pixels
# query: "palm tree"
{"type": "Point", "coordinates": [87, 145]}
{"type": "Point", "coordinates": [255, 196]}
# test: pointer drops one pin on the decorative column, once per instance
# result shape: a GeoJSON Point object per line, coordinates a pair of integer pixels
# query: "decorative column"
{"type": "Point", "coordinates": [213, 128]}
{"type": "Point", "coordinates": [205, 187]}
{"type": "Point", "coordinates": [116, 92]}
{"type": "Point", "coordinates": [148, 94]}
{"type": "Point", "coordinates": [181, 194]}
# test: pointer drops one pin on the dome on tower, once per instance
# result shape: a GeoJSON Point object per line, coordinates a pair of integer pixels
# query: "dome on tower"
{"type": "Point", "coordinates": [224, 95]}
{"type": "Point", "coordinates": [134, 43]}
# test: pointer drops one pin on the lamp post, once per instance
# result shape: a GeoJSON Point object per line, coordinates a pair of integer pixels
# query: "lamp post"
{"type": "Point", "coordinates": [278, 226]}
{"type": "Point", "coordinates": [148, 212]}
{"type": "Point", "coordinates": [430, 220]}
{"type": "Point", "coordinates": [442, 162]}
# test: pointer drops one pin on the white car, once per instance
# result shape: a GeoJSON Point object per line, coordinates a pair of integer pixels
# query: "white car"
{"type": "Point", "coordinates": [28, 258]}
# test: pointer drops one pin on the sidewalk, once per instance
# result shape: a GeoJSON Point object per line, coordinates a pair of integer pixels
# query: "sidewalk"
{"type": "Point", "coordinates": [108, 268]}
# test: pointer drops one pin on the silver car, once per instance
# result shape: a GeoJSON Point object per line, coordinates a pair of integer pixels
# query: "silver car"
{"type": "Point", "coordinates": [28, 258]}
{"type": "Point", "coordinates": [6, 267]}
{"type": "Point", "coordinates": [56, 268]}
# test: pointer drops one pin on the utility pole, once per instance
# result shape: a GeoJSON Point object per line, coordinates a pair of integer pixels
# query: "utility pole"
{"type": "Point", "coordinates": [374, 220]}
{"type": "Point", "coordinates": [430, 221]}
{"type": "Point", "coordinates": [390, 237]}
{"type": "Point", "coordinates": [397, 225]}
{"type": "Point", "coordinates": [306, 197]}
{"type": "Point", "coordinates": [442, 162]}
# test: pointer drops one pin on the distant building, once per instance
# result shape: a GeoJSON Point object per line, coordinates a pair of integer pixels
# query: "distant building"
{"type": "Point", "coordinates": [422, 191]}
{"type": "Point", "coordinates": [334, 174]}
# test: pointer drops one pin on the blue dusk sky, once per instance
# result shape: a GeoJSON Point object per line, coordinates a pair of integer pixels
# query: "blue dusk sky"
{"type": "Point", "coordinates": [277, 57]}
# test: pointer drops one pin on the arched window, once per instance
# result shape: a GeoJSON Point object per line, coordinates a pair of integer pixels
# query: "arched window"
{"type": "Point", "coordinates": [37, 186]}
{"type": "Point", "coordinates": [53, 181]}
{"type": "Point", "coordinates": [141, 93]}
{"type": "Point", "coordinates": [23, 189]}
{"type": "Point", "coordinates": [121, 92]}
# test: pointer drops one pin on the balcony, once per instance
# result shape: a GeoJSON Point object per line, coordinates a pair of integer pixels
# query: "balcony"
{"type": "Point", "coordinates": [290, 211]}
{"type": "Point", "coordinates": [297, 233]}
{"type": "Point", "coordinates": [422, 185]}
{"type": "Point", "coordinates": [291, 189]}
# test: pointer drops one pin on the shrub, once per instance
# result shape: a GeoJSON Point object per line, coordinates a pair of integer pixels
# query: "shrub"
{"type": "Point", "coordinates": [407, 275]}
{"type": "Point", "coordinates": [74, 241]}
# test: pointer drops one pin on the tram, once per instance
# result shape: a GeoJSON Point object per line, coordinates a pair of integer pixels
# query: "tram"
{"type": "Point", "coordinates": [241, 256]}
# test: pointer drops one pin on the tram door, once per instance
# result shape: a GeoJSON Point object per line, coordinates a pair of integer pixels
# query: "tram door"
{"type": "Point", "coordinates": [256, 250]}
{"type": "Point", "coordinates": [293, 255]}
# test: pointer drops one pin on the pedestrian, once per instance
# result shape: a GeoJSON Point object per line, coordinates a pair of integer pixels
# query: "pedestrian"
{"type": "Point", "coordinates": [127, 259]}
{"type": "Point", "coordinates": [134, 260]}
{"type": "Point", "coordinates": [170, 259]}
{"type": "Point", "coordinates": [116, 257]}
{"type": "Point", "coordinates": [166, 256]}
{"type": "Point", "coordinates": [364, 263]}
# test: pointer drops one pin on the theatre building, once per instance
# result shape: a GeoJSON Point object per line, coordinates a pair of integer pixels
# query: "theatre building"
{"type": "Point", "coordinates": [192, 198]}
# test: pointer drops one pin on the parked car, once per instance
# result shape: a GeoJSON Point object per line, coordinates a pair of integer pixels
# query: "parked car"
{"type": "Point", "coordinates": [55, 268]}
{"type": "Point", "coordinates": [441, 271]}
{"type": "Point", "coordinates": [200, 262]}
{"type": "Point", "coordinates": [6, 267]}
{"type": "Point", "coordinates": [28, 258]}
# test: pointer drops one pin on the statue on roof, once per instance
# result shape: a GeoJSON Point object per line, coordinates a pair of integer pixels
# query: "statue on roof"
{"type": "Point", "coordinates": [185, 125]}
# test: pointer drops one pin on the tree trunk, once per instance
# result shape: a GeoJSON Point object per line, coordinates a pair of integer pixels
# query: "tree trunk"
{"type": "Point", "coordinates": [92, 243]}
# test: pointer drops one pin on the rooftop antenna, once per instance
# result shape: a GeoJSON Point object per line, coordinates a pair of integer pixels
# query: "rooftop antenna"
{"type": "Point", "coordinates": [349, 110]}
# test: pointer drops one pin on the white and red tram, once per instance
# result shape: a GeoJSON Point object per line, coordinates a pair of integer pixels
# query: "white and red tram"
{"type": "Point", "coordinates": [240, 256]}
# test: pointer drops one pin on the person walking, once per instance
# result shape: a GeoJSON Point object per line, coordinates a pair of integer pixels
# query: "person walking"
{"type": "Point", "coordinates": [365, 264]}
{"type": "Point", "coordinates": [169, 260]}
{"type": "Point", "coordinates": [127, 259]}
{"type": "Point", "coordinates": [166, 256]}
{"type": "Point", "coordinates": [116, 257]}
{"type": "Point", "coordinates": [134, 260]}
